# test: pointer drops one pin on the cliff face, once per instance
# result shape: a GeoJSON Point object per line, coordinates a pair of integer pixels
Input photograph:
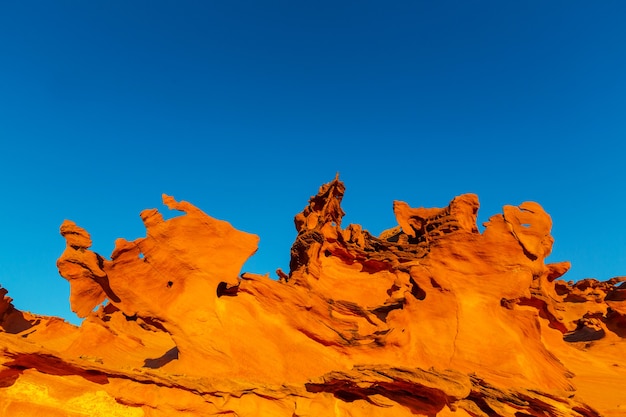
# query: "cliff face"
{"type": "Point", "coordinates": [430, 318]}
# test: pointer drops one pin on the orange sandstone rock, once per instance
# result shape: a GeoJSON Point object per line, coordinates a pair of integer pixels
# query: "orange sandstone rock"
{"type": "Point", "coordinates": [430, 318]}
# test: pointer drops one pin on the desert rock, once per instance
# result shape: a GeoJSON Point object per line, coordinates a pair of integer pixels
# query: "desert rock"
{"type": "Point", "coordinates": [431, 318]}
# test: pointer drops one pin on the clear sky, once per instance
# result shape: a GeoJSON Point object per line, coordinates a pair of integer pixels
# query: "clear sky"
{"type": "Point", "coordinates": [244, 108]}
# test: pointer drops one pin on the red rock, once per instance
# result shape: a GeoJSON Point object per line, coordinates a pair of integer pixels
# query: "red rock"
{"type": "Point", "coordinates": [430, 318]}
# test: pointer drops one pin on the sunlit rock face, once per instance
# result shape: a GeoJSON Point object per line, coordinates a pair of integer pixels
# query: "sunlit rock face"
{"type": "Point", "coordinates": [431, 318]}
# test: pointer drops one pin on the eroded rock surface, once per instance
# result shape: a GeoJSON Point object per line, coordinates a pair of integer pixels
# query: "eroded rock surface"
{"type": "Point", "coordinates": [431, 318]}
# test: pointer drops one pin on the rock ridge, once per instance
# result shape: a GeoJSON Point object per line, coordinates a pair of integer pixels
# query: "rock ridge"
{"type": "Point", "coordinates": [432, 318]}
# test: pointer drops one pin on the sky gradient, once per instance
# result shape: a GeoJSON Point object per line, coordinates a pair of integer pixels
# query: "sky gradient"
{"type": "Point", "coordinates": [245, 108]}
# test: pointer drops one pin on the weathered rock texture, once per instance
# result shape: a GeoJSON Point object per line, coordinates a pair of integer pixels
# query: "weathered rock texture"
{"type": "Point", "coordinates": [432, 318]}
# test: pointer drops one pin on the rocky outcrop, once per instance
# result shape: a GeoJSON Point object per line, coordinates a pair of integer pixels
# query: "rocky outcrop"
{"type": "Point", "coordinates": [430, 318]}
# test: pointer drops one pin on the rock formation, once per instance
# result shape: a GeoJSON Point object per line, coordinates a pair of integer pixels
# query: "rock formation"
{"type": "Point", "coordinates": [431, 318]}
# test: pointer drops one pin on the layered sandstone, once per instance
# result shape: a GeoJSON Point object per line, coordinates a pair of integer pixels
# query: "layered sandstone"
{"type": "Point", "coordinates": [431, 318]}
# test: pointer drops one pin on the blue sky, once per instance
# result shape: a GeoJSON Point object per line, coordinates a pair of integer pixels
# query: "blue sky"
{"type": "Point", "coordinates": [245, 108]}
